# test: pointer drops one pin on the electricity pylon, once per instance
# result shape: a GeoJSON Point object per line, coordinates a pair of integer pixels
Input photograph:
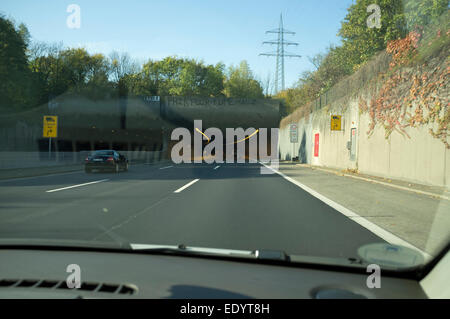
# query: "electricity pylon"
{"type": "Point", "coordinates": [280, 53]}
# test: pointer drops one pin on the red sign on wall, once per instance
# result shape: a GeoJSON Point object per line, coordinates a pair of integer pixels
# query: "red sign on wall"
{"type": "Point", "coordinates": [316, 145]}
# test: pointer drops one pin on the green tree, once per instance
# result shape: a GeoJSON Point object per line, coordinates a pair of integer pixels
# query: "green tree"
{"type": "Point", "coordinates": [196, 79]}
{"type": "Point", "coordinates": [398, 18]}
{"type": "Point", "coordinates": [97, 84]}
{"type": "Point", "coordinates": [46, 65]}
{"type": "Point", "coordinates": [361, 42]}
{"type": "Point", "coordinates": [15, 77]}
{"type": "Point", "coordinates": [159, 77]}
{"type": "Point", "coordinates": [147, 81]}
{"type": "Point", "coordinates": [423, 12]}
{"type": "Point", "coordinates": [177, 76]}
{"type": "Point", "coordinates": [56, 71]}
{"type": "Point", "coordinates": [76, 66]}
{"type": "Point", "coordinates": [240, 82]}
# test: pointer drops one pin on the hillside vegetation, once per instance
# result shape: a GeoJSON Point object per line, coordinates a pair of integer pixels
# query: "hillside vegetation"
{"type": "Point", "coordinates": [421, 21]}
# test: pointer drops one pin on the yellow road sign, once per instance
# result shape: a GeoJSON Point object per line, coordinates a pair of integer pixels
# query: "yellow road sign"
{"type": "Point", "coordinates": [336, 121]}
{"type": "Point", "coordinates": [50, 126]}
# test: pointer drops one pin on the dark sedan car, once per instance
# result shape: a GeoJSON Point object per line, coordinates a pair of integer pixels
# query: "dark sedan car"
{"type": "Point", "coordinates": [106, 160]}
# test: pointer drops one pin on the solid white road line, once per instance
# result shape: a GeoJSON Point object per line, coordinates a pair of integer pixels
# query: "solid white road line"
{"type": "Point", "coordinates": [166, 167]}
{"type": "Point", "coordinates": [73, 186]}
{"type": "Point", "coordinates": [217, 167]}
{"type": "Point", "coordinates": [186, 186]}
{"type": "Point", "coordinates": [377, 230]}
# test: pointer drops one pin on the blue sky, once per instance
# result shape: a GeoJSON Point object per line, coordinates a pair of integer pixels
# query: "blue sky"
{"type": "Point", "coordinates": [209, 30]}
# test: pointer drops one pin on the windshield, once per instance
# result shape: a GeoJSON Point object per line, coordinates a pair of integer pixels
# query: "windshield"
{"type": "Point", "coordinates": [308, 128]}
{"type": "Point", "coordinates": [102, 153]}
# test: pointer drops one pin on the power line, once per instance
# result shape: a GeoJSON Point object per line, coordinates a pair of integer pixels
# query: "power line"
{"type": "Point", "coordinates": [280, 53]}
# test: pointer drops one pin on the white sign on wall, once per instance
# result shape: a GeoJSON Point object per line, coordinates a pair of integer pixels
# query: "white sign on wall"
{"type": "Point", "coordinates": [293, 132]}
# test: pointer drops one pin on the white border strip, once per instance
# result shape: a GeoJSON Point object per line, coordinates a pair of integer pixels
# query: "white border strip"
{"type": "Point", "coordinates": [166, 167]}
{"type": "Point", "coordinates": [377, 230]}
{"type": "Point", "coordinates": [79, 185]}
{"type": "Point", "coordinates": [186, 186]}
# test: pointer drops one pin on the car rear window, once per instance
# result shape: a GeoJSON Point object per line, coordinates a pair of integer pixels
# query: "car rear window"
{"type": "Point", "coordinates": [103, 153]}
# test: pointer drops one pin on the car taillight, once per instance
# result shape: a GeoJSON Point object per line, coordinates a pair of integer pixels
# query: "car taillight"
{"type": "Point", "coordinates": [110, 159]}
{"type": "Point", "coordinates": [87, 159]}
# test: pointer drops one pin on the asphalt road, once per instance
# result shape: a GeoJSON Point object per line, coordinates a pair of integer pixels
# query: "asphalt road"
{"type": "Point", "coordinates": [231, 206]}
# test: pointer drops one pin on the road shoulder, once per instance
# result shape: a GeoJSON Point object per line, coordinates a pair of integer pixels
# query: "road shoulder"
{"type": "Point", "coordinates": [410, 215]}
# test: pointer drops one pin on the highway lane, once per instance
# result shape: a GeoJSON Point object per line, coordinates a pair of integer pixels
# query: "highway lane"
{"type": "Point", "coordinates": [210, 205]}
{"type": "Point", "coordinates": [29, 210]}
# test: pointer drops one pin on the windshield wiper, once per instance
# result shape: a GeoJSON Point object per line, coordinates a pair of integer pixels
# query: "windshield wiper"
{"type": "Point", "coordinates": [190, 250]}
{"type": "Point", "coordinates": [259, 256]}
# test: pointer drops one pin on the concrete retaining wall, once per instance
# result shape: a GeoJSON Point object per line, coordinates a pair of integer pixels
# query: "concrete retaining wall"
{"type": "Point", "coordinates": [13, 160]}
{"type": "Point", "coordinates": [223, 112]}
{"type": "Point", "coordinates": [128, 123]}
{"type": "Point", "coordinates": [419, 158]}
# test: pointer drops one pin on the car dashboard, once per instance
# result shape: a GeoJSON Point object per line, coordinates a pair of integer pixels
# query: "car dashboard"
{"type": "Point", "coordinates": [33, 273]}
